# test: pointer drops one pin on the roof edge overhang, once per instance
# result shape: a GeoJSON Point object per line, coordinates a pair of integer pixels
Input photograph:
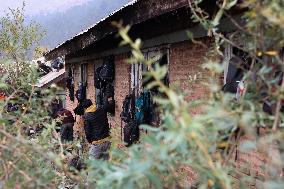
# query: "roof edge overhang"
{"type": "Point", "coordinates": [135, 12]}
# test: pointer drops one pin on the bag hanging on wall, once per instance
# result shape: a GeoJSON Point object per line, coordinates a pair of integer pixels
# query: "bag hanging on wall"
{"type": "Point", "coordinates": [81, 93]}
{"type": "Point", "coordinates": [70, 85]}
{"type": "Point", "coordinates": [144, 107]}
{"type": "Point", "coordinates": [109, 91]}
{"type": "Point", "coordinates": [131, 133]}
{"type": "Point", "coordinates": [107, 71]}
{"type": "Point", "coordinates": [128, 109]}
{"type": "Point", "coordinates": [107, 94]}
{"type": "Point", "coordinates": [139, 109]}
{"type": "Point", "coordinates": [79, 110]}
{"type": "Point", "coordinates": [98, 82]}
{"type": "Point", "coordinates": [149, 108]}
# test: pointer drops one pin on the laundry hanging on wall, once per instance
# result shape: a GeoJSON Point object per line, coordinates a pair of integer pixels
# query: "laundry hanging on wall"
{"type": "Point", "coordinates": [103, 81]}
{"type": "Point", "coordinates": [70, 84]}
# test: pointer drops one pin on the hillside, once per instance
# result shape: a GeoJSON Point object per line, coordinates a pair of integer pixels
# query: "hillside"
{"type": "Point", "coordinates": [61, 26]}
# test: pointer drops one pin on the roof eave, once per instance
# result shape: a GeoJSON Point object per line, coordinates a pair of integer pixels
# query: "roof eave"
{"type": "Point", "coordinates": [132, 14]}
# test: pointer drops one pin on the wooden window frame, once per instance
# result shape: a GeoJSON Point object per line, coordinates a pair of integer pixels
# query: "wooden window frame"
{"type": "Point", "coordinates": [84, 74]}
{"type": "Point", "coordinates": [137, 70]}
{"type": "Point", "coordinates": [228, 54]}
{"type": "Point", "coordinates": [97, 91]}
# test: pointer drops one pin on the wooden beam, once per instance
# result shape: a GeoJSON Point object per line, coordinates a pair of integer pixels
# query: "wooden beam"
{"type": "Point", "coordinates": [226, 26]}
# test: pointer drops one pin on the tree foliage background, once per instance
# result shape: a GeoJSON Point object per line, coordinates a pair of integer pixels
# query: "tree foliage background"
{"type": "Point", "coordinates": [203, 143]}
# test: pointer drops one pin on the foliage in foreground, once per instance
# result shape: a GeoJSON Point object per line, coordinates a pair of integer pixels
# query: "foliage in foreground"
{"type": "Point", "coordinates": [204, 143]}
{"type": "Point", "coordinates": [182, 142]}
{"type": "Point", "coordinates": [31, 156]}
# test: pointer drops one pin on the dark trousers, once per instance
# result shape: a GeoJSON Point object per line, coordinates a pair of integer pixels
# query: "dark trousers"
{"type": "Point", "coordinates": [66, 132]}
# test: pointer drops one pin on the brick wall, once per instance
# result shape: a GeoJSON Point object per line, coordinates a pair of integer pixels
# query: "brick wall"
{"type": "Point", "coordinates": [121, 85]}
{"type": "Point", "coordinates": [72, 105]}
{"type": "Point", "coordinates": [186, 60]}
{"type": "Point", "coordinates": [250, 166]}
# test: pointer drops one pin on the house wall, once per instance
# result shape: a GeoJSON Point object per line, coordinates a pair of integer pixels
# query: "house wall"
{"type": "Point", "coordinates": [250, 164]}
{"type": "Point", "coordinates": [185, 60]}
{"type": "Point", "coordinates": [70, 105]}
{"type": "Point", "coordinates": [121, 86]}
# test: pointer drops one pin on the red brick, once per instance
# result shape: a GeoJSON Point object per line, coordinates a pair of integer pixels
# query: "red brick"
{"type": "Point", "coordinates": [186, 59]}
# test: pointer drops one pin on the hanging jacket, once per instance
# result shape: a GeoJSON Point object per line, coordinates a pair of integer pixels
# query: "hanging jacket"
{"type": "Point", "coordinates": [234, 76]}
{"type": "Point", "coordinates": [144, 108]}
{"type": "Point", "coordinates": [57, 64]}
{"type": "Point", "coordinates": [96, 124]}
{"type": "Point", "coordinates": [70, 86]}
{"type": "Point", "coordinates": [81, 93]}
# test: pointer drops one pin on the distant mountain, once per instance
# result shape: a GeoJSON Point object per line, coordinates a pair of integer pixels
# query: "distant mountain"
{"type": "Point", "coordinates": [61, 26]}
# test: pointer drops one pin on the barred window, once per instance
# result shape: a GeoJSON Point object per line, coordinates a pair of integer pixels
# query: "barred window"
{"type": "Point", "coordinates": [160, 56]}
{"type": "Point", "coordinates": [83, 74]}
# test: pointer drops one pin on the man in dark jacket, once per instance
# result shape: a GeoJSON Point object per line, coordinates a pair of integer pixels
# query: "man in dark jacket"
{"type": "Point", "coordinates": [97, 129]}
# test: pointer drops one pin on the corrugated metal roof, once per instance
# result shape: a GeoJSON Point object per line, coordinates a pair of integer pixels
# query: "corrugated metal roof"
{"type": "Point", "coordinates": [86, 30]}
{"type": "Point", "coordinates": [50, 78]}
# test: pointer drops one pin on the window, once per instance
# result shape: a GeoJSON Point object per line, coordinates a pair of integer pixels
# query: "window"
{"type": "Point", "coordinates": [137, 70]}
{"type": "Point", "coordinates": [83, 74]}
{"type": "Point", "coordinates": [145, 108]}
{"type": "Point", "coordinates": [228, 53]}
{"type": "Point", "coordinates": [236, 63]}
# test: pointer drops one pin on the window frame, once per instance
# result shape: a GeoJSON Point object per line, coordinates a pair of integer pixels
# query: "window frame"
{"type": "Point", "coordinates": [97, 91]}
{"type": "Point", "coordinates": [137, 70]}
{"type": "Point", "coordinates": [83, 74]}
{"type": "Point", "coordinates": [228, 54]}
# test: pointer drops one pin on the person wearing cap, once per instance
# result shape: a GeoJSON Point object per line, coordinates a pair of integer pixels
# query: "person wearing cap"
{"type": "Point", "coordinates": [97, 128]}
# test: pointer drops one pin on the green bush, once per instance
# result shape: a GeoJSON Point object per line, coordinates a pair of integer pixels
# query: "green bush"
{"type": "Point", "coordinates": [183, 145]}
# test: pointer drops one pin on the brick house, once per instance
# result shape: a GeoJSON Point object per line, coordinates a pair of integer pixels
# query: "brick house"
{"type": "Point", "coordinates": [162, 25]}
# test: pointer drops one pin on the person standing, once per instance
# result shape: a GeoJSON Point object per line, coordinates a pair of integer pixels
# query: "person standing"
{"type": "Point", "coordinates": [67, 124]}
{"type": "Point", "coordinates": [97, 129]}
{"type": "Point", "coordinates": [65, 120]}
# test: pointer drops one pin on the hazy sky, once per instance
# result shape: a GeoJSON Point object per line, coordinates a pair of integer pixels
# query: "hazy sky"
{"type": "Point", "coordinates": [34, 7]}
